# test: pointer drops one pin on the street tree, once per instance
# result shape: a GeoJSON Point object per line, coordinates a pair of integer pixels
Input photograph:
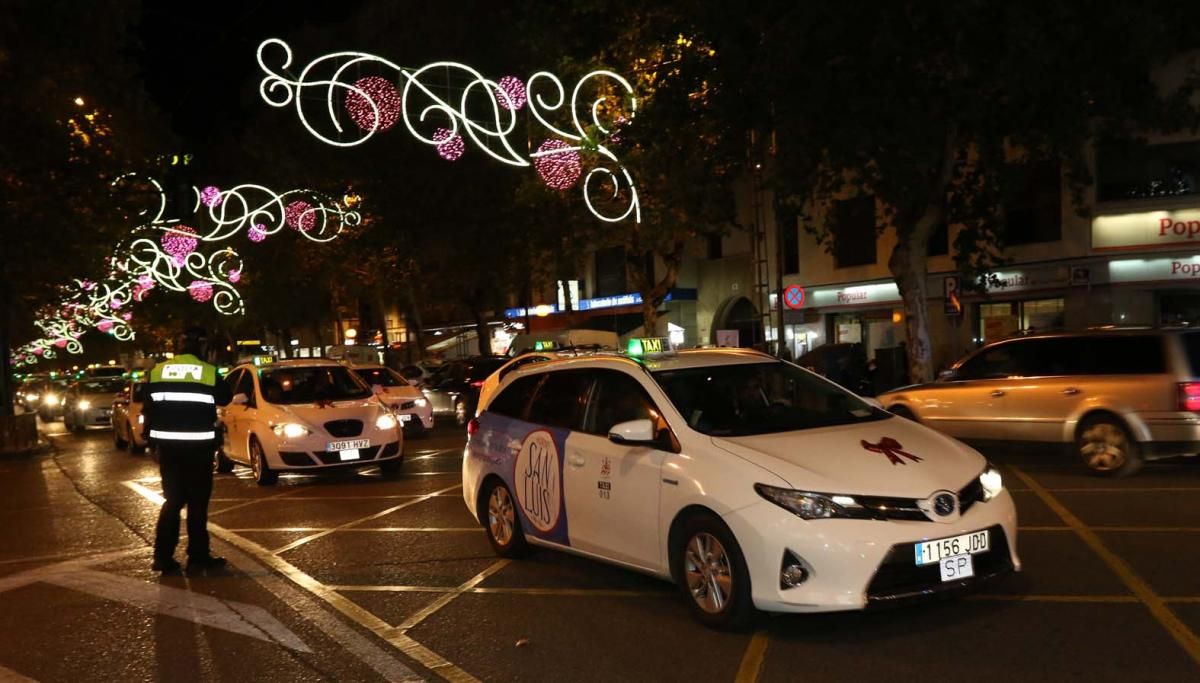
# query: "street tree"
{"type": "Point", "coordinates": [934, 108]}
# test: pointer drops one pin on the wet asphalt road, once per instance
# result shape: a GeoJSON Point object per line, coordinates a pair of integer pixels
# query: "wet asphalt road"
{"type": "Point", "coordinates": [354, 577]}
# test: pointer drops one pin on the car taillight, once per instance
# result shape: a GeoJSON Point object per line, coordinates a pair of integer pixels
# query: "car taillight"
{"type": "Point", "coordinates": [477, 383]}
{"type": "Point", "coordinates": [472, 427]}
{"type": "Point", "coordinates": [1189, 396]}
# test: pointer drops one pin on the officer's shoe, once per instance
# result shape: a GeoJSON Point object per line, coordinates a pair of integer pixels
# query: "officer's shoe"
{"type": "Point", "coordinates": [168, 566]}
{"type": "Point", "coordinates": [205, 564]}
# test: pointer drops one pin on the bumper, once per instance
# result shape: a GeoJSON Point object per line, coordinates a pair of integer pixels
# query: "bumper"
{"type": "Point", "coordinates": [854, 564]}
{"type": "Point", "coordinates": [93, 418]}
{"type": "Point", "coordinates": [1172, 434]}
{"type": "Point", "coordinates": [420, 419]}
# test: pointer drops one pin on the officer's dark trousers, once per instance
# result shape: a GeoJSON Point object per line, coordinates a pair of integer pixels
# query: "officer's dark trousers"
{"type": "Point", "coordinates": [187, 479]}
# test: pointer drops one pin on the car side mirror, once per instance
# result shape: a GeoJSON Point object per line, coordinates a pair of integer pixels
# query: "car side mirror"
{"type": "Point", "coordinates": [947, 375]}
{"type": "Point", "coordinates": [633, 433]}
{"type": "Point", "coordinates": [240, 400]}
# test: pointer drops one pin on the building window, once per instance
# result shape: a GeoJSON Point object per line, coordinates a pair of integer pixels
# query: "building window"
{"type": "Point", "coordinates": [939, 242]}
{"type": "Point", "coordinates": [610, 271]}
{"type": "Point", "coordinates": [1131, 171]}
{"type": "Point", "coordinates": [1033, 203]}
{"type": "Point", "coordinates": [854, 232]}
{"type": "Point", "coordinates": [1004, 319]}
{"type": "Point", "coordinates": [715, 245]}
{"type": "Point", "coordinates": [791, 249]}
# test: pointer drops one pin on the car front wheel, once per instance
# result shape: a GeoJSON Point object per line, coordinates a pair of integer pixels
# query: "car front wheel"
{"type": "Point", "coordinates": [712, 573]}
{"type": "Point", "coordinates": [1107, 447]}
{"type": "Point", "coordinates": [263, 474]}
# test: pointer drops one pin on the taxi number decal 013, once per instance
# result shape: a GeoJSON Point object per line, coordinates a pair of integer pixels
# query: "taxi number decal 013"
{"type": "Point", "coordinates": [930, 552]}
{"type": "Point", "coordinates": [536, 476]}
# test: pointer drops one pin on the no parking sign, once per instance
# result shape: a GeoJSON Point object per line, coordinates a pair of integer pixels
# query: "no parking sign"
{"type": "Point", "coordinates": [793, 297]}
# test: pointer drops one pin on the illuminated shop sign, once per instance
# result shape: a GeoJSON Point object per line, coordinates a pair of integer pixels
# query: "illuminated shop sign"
{"type": "Point", "coordinates": [856, 295]}
{"type": "Point", "coordinates": [598, 303]}
{"type": "Point", "coordinates": [1177, 268]}
{"type": "Point", "coordinates": [1149, 229]}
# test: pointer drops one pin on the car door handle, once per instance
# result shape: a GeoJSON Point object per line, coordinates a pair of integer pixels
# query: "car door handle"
{"type": "Point", "coordinates": [1070, 391]}
{"type": "Point", "coordinates": [997, 393]}
{"type": "Point", "coordinates": [576, 460]}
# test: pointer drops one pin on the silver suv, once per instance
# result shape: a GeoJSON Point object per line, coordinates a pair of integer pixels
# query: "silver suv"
{"type": "Point", "coordinates": [1122, 397]}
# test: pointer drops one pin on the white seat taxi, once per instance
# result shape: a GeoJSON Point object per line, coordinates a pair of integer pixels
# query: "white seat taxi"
{"type": "Point", "coordinates": [305, 415]}
{"type": "Point", "coordinates": [406, 401]}
{"type": "Point", "coordinates": [748, 481]}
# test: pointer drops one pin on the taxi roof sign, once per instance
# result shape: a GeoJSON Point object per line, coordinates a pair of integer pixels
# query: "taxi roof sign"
{"type": "Point", "coordinates": [640, 346]}
{"type": "Point", "coordinates": [544, 345]}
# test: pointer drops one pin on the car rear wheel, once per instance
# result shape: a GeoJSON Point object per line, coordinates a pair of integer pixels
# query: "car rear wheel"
{"type": "Point", "coordinates": [712, 573]}
{"type": "Point", "coordinates": [1107, 448]}
{"type": "Point", "coordinates": [460, 413]}
{"type": "Point", "coordinates": [501, 522]}
{"type": "Point", "coordinates": [901, 411]}
{"type": "Point", "coordinates": [263, 474]}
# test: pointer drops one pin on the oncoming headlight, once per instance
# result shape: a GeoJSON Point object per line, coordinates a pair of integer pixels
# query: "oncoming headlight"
{"type": "Point", "coordinates": [420, 402]}
{"type": "Point", "coordinates": [807, 505]}
{"type": "Point", "coordinates": [290, 430]}
{"type": "Point", "coordinates": [50, 400]}
{"type": "Point", "coordinates": [992, 482]}
{"type": "Point", "coordinates": [85, 405]}
{"type": "Point", "coordinates": [385, 421]}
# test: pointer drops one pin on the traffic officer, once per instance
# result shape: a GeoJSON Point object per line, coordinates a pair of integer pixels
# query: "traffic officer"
{"type": "Point", "coordinates": [181, 427]}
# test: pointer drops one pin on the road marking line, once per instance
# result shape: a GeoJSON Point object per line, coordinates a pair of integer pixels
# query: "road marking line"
{"type": "Point", "coordinates": [321, 534]}
{"type": "Point", "coordinates": [752, 661]}
{"type": "Point", "coordinates": [1119, 529]}
{"type": "Point", "coordinates": [380, 497]}
{"type": "Point", "coordinates": [64, 556]}
{"type": "Point", "coordinates": [7, 675]}
{"type": "Point", "coordinates": [1158, 609]}
{"type": "Point", "coordinates": [1114, 599]}
{"type": "Point", "coordinates": [504, 590]}
{"type": "Point", "coordinates": [414, 620]}
{"type": "Point", "coordinates": [239, 506]}
{"type": "Point", "coordinates": [1044, 528]}
{"type": "Point", "coordinates": [386, 666]}
{"type": "Point", "coordinates": [1116, 489]}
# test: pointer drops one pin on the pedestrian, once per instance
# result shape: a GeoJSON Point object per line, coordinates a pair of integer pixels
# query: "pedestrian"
{"type": "Point", "coordinates": [181, 418]}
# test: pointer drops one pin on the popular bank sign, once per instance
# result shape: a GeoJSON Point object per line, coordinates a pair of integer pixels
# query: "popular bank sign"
{"type": "Point", "coordinates": [1147, 230]}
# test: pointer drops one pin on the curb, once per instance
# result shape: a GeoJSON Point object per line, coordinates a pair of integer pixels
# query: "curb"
{"type": "Point", "coordinates": [45, 446]}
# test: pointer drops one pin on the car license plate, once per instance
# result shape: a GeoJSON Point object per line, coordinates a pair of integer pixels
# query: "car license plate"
{"type": "Point", "coordinates": [349, 445]}
{"type": "Point", "coordinates": [349, 455]}
{"type": "Point", "coordinates": [405, 419]}
{"type": "Point", "coordinates": [931, 552]}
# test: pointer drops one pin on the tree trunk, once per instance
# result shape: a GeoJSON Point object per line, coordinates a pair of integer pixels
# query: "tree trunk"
{"type": "Point", "coordinates": [481, 331]}
{"type": "Point", "coordinates": [654, 293]}
{"type": "Point", "coordinates": [909, 265]}
{"type": "Point", "coordinates": [416, 330]}
{"type": "Point", "coordinates": [6, 387]}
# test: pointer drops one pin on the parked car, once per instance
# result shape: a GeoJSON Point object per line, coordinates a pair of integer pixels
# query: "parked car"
{"type": "Point", "coordinates": [405, 400]}
{"type": "Point", "coordinates": [29, 393]}
{"type": "Point", "coordinates": [844, 364]}
{"type": "Point", "coordinates": [454, 389]}
{"type": "Point", "coordinates": [305, 416]}
{"type": "Point", "coordinates": [1120, 397]}
{"type": "Point", "coordinates": [88, 403]}
{"type": "Point", "coordinates": [128, 419]}
{"type": "Point", "coordinates": [749, 482]}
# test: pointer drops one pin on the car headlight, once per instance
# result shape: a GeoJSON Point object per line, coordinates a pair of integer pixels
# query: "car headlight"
{"type": "Point", "coordinates": [141, 419]}
{"type": "Point", "coordinates": [290, 430]}
{"type": "Point", "coordinates": [385, 422]}
{"type": "Point", "coordinates": [50, 400]}
{"type": "Point", "coordinates": [808, 505]}
{"type": "Point", "coordinates": [84, 405]}
{"type": "Point", "coordinates": [992, 482]}
{"type": "Point", "coordinates": [31, 397]}
{"type": "Point", "coordinates": [421, 402]}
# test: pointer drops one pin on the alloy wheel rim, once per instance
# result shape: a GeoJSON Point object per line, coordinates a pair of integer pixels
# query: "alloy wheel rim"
{"type": "Point", "coordinates": [1105, 447]}
{"type": "Point", "coordinates": [500, 515]}
{"type": "Point", "coordinates": [256, 460]}
{"type": "Point", "coordinates": [707, 568]}
{"type": "Point", "coordinates": [460, 412]}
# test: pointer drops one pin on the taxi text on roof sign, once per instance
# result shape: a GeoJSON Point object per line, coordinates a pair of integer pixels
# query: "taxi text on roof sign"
{"type": "Point", "coordinates": [544, 346]}
{"type": "Point", "coordinates": [640, 346]}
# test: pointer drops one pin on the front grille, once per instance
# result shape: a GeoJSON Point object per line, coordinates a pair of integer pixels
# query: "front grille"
{"type": "Point", "coordinates": [296, 458]}
{"type": "Point", "coordinates": [969, 495]}
{"type": "Point", "coordinates": [407, 405]}
{"type": "Point", "coordinates": [899, 579]}
{"type": "Point", "coordinates": [391, 449]}
{"type": "Point", "coordinates": [335, 458]}
{"type": "Point", "coordinates": [344, 427]}
{"type": "Point", "coordinates": [879, 507]}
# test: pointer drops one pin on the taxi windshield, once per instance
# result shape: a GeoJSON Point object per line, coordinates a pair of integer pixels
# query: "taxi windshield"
{"type": "Point", "coordinates": [760, 398]}
{"type": "Point", "coordinates": [101, 386]}
{"type": "Point", "coordinates": [293, 385]}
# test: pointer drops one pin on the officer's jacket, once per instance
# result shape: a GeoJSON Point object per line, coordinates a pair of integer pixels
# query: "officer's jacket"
{"type": "Point", "coordinates": [181, 401]}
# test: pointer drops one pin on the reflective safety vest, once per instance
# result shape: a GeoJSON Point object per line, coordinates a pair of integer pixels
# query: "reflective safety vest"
{"type": "Point", "coordinates": [181, 402]}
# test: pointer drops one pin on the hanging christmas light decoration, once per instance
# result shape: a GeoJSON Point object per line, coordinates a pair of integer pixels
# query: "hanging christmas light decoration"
{"type": "Point", "coordinates": [299, 215]}
{"type": "Point", "coordinates": [373, 103]}
{"type": "Point", "coordinates": [179, 241]}
{"type": "Point", "coordinates": [511, 93]}
{"type": "Point", "coordinates": [201, 290]}
{"type": "Point", "coordinates": [235, 276]}
{"type": "Point", "coordinates": [429, 105]}
{"type": "Point", "coordinates": [257, 232]}
{"type": "Point", "coordinates": [210, 196]}
{"type": "Point", "coordinates": [450, 144]}
{"type": "Point", "coordinates": [558, 164]}
{"type": "Point", "coordinates": [104, 325]}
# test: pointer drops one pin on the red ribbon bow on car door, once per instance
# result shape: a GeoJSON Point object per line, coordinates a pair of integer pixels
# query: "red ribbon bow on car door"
{"type": "Point", "coordinates": [892, 449]}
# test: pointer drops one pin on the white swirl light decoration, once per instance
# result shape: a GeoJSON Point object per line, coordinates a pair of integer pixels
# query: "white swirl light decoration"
{"type": "Point", "coordinates": [428, 111]}
{"type": "Point", "coordinates": [248, 208]}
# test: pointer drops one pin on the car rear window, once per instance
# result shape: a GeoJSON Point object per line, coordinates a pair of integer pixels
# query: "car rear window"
{"type": "Point", "coordinates": [1191, 347]}
{"type": "Point", "coordinates": [562, 399]}
{"type": "Point", "coordinates": [1126, 355]}
{"type": "Point", "coordinates": [512, 401]}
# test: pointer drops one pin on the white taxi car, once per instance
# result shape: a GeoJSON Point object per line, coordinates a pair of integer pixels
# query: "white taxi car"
{"type": "Point", "coordinates": [406, 401]}
{"type": "Point", "coordinates": [305, 416]}
{"type": "Point", "coordinates": [750, 482]}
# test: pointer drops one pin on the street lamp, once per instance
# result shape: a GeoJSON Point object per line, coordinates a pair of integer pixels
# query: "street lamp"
{"type": "Point", "coordinates": [79, 101]}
